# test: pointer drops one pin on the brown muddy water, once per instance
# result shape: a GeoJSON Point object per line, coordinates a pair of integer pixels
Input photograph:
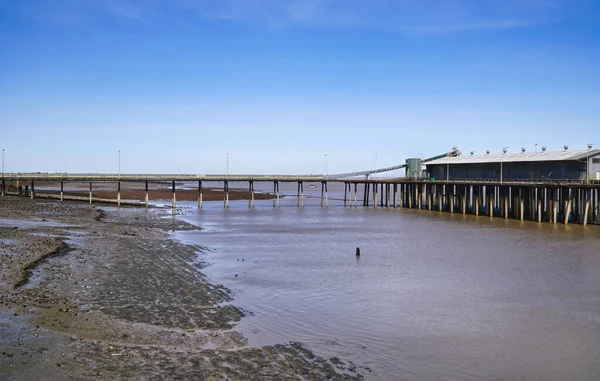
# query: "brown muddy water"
{"type": "Point", "coordinates": [433, 296]}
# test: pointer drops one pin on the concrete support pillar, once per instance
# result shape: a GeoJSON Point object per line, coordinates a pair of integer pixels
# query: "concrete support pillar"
{"type": "Point", "coordinates": [539, 210]}
{"type": "Point", "coordinates": [90, 193]}
{"type": "Point", "coordinates": [464, 200]}
{"type": "Point", "coordinates": [568, 206]}
{"type": "Point", "coordinates": [61, 190]}
{"type": "Point", "coordinates": [355, 194]}
{"type": "Point", "coordinates": [118, 193]}
{"type": "Point", "coordinates": [555, 208]}
{"type": "Point", "coordinates": [521, 205]}
{"type": "Point", "coordinates": [586, 209]}
{"type": "Point", "coordinates": [146, 198]}
{"type": "Point", "coordinates": [506, 207]}
{"type": "Point", "coordinates": [387, 195]}
{"type": "Point", "coordinates": [326, 195]}
{"type": "Point", "coordinates": [32, 190]}
{"type": "Point", "coordinates": [374, 195]}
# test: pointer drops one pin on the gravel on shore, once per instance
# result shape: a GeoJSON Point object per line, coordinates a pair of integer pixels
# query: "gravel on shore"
{"type": "Point", "coordinates": [104, 293]}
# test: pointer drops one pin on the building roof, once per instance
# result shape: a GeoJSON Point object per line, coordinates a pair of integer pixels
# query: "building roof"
{"type": "Point", "coordinates": [569, 155]}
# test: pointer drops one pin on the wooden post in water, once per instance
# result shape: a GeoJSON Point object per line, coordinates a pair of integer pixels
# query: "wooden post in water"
{"type": "Point", "coordinates": [174, 202]}
{"type": "Point", "coordinates": [200, 194]}
{"type": "Point", "coordinates": [345, 192]}
{"type": "Point", "coordinates": [322, 191]}
{"type": "Point", "coordinates": [251, 189]}
{"type": "Point", "coordinates": [226, 189]}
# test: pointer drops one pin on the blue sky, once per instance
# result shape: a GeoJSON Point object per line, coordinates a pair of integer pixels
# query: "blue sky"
{"type": "Point", "coordinates": [276, 84]}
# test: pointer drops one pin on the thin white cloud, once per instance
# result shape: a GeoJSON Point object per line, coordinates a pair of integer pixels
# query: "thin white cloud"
{"type": "Point", "coordinates": [404, 16]}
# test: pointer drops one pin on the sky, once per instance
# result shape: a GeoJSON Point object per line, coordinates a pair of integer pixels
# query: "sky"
{"type": "Point", "coordinates": [291, 86]}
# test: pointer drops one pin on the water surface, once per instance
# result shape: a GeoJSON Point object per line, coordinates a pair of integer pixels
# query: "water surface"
{"type": "Point", "coordinates": [433, 295]}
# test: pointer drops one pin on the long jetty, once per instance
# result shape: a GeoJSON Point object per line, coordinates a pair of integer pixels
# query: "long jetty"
{"type": "Point", "coordinates": [542, 201]}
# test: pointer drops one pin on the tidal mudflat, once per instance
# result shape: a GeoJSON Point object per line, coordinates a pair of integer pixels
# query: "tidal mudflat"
{"type": "Point", "coordinates": [107, 294]}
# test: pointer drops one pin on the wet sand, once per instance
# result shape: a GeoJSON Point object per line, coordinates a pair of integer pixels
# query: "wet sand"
{"type": "Point", "coordinates": [105, 293]}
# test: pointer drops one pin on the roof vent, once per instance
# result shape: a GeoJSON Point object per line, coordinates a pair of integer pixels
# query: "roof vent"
{"type": "Point", "coordinates": [522, 150]}
{"type": "Point", "coordinates": [544, 148]}
{"type": "Point", "coordinates": [487, 152]}
{"type": "Point", "coordinates": [566, 147]}
{"type": "Point", "coordinates": [472, 152]}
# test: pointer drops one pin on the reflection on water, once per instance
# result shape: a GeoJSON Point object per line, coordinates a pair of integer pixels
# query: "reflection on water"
{"type": "Point", "coordinates": [433, 295]}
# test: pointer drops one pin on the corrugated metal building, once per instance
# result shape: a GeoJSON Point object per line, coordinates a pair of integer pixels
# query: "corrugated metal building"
{"type": "Point", "coordinates": [564, 165]}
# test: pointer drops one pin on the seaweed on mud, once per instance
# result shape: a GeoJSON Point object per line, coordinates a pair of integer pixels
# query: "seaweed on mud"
{"type": "Point", "coordinates": [101, 215]}
{"type": "Point", "coordinates": [27, 270]}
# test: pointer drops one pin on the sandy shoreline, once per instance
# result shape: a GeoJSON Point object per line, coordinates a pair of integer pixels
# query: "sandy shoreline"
{"type": "Point", "coordinates": [122, 300]}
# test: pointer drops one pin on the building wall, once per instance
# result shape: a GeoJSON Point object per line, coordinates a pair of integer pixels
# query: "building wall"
{"type": "Point", "coordinates": [567, 170]}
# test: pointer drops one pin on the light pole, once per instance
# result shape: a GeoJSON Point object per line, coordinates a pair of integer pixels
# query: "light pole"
{"type": "Point", "coordinates": [504, 150]}
{"type": "Point", "coordinates": [587, 162]}
{"type": "Point", "coordinates": [326, 170]}
{"type": "Point", "coordinates": [119, 163]}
